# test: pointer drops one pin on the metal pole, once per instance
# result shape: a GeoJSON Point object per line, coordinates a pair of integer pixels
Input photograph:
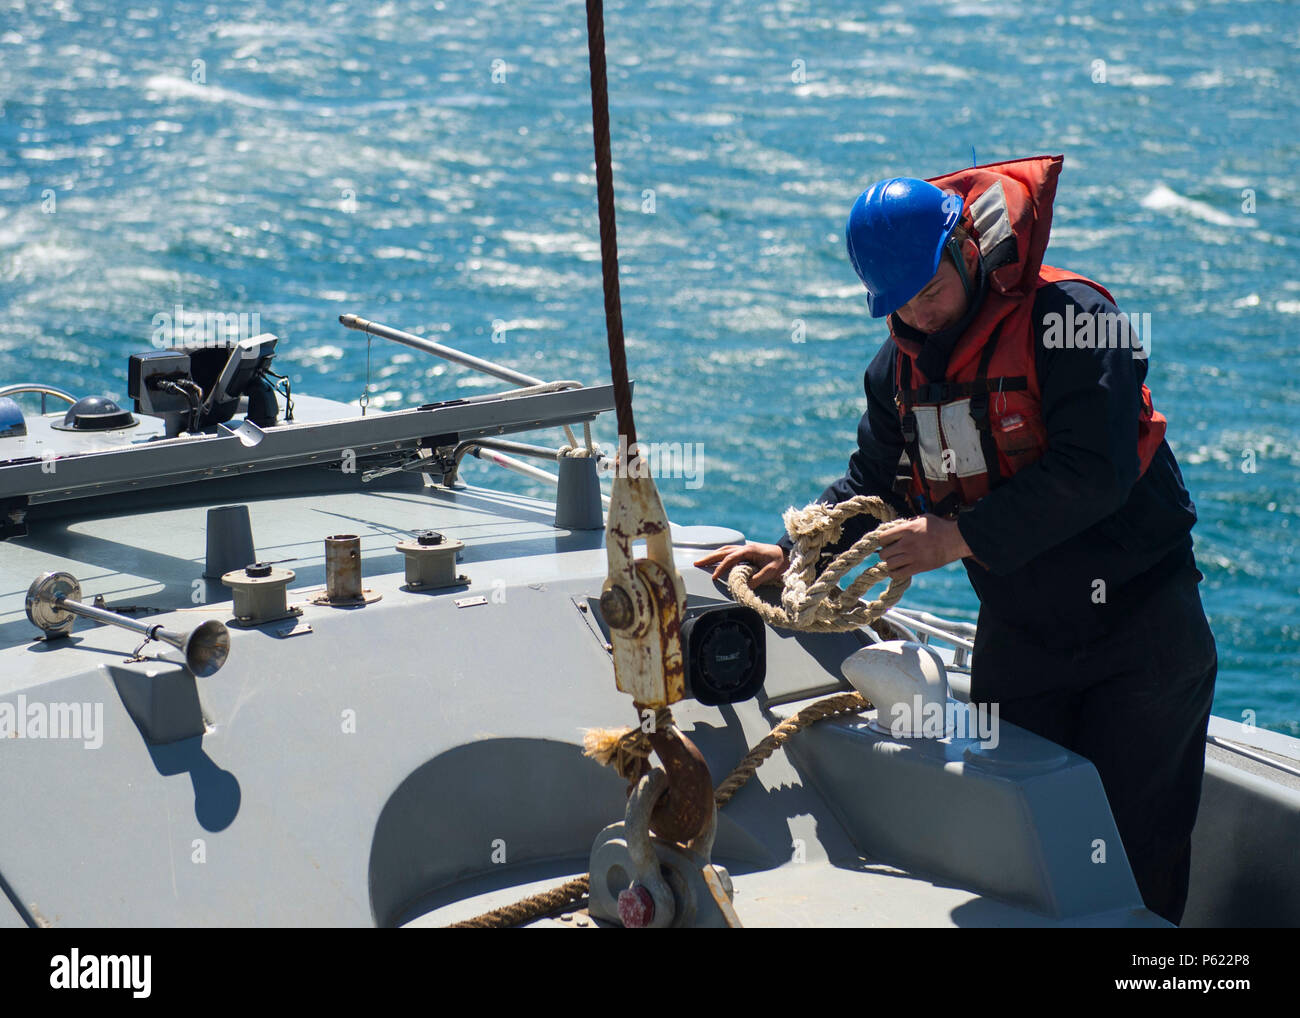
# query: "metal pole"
{"type": "Point", "coordinates": [520, 467]}
{"type": "Point", "coordinates": [540, 452]}
{"type": "Point", "coordinates": [943, 634]}
{"type": "Point", "coordinates": [447, 353]}
{"type": "Point", "coordinates": [100, 615]}
{"type": "Point", "coordinates": [438, 350]}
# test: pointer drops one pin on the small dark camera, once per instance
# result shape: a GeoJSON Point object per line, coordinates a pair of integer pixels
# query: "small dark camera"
{"type": "Point", "coordinates": [726, 653]}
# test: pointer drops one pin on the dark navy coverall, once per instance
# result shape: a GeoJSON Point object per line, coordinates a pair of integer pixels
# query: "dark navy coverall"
{"type": "Point", "coordinates": [1127, 682]}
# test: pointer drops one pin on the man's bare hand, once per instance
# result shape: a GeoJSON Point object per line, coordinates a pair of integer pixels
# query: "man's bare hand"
{"type": "Point", "coordinates": [769, 561]}
{"type": "Point", "coordinates": [922, 544]}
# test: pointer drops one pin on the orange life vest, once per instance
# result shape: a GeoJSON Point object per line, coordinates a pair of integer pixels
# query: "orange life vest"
{"type": "Point", "coordinates": [971, 430]}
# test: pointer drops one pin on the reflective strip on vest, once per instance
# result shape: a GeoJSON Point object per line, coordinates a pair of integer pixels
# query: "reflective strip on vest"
{"type": "Point", "coordinates": [930, 442]}
{"type": "Point", "coordinates": [963, 438]}
{"type": "Point", "coordinates": [949, 428]}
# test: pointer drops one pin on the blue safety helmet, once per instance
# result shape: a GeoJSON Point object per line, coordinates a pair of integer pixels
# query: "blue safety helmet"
{"type": "Point", "coordinates": [897, 232]}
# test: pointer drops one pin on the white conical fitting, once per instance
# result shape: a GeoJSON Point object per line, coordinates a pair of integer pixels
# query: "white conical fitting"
{"type": "Point", "coordinates": [906, 682]}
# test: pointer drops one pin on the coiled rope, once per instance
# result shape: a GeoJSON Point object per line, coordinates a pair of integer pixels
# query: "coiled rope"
{"type": "Point", "coordinates": [816, 604]}
{"type": "Point", "coordinates": [622, 749]}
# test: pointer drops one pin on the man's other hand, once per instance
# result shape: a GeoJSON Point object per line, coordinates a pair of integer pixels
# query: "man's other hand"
{"type": "Point", "coordinates": [769, 561]}
{"type": "Point", "coordinates": [919, 545]}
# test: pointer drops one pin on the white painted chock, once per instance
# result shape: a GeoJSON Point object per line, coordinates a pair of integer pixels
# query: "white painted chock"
{"type": "Point", "coordinates": [905, 681]}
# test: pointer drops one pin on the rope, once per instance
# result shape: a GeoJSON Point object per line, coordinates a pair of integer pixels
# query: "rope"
{"type": "Point", "coordinates": [608, 233]}
{"type": "Point", "coordinates": [624, 749]}
{"type": "Point", "coordinates": [615, 747]}
{"type": "Point", "coordinates": [525, 911]}
{"type": "Point", "coordinates": [832, 706]}
{"type": "Point", "coordinates": [816, 604]}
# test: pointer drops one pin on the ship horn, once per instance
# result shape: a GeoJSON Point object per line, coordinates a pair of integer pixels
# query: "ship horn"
{"type": "Point", "coordinates": [52, 604]}
{"type": "Point", "coordinates": [206, 646]}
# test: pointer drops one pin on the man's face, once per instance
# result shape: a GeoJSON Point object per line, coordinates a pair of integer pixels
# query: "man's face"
{"type": "Point", "coordinates": [941, 302]}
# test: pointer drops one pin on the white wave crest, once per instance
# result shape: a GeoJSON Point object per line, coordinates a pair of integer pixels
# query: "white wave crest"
{"type": "Point", "coordinates": [1166, 199]}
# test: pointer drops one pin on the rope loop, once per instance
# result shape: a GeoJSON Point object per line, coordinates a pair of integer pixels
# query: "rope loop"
{"type": "Point", "coordinates": [815, 604]}
{"type": "Point", "coordinates": [624, 749]}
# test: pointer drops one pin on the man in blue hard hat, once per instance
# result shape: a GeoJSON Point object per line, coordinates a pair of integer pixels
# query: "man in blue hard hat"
{"type": "Point", "coordinates": [1040, 463]}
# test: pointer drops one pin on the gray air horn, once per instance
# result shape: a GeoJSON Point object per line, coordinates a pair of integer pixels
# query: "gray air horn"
{"type": "Point", "coordinates": [53, 602]}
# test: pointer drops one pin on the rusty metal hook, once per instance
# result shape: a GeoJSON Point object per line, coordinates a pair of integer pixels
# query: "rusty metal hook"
{"type": "Point", "coordinates": [684, 810]}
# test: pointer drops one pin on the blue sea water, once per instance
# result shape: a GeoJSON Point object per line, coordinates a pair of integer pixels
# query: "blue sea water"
{"type": "Point", "coordinates": [429, 165]}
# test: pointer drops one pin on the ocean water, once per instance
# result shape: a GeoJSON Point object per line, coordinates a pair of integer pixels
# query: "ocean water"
{"type": "Point", "coordinates": [429, 165]}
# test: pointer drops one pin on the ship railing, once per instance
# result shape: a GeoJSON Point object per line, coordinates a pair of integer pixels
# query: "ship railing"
{"type": "Point", "coordinates": [18, 388]}
{"type": "Point", "coordinates": [498, 451]}
{"type": "Point", "coordinates": [924, 627]}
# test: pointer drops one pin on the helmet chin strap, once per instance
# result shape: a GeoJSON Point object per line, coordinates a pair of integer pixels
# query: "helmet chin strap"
{"type": "Point", "coordinates": [953, 247]}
